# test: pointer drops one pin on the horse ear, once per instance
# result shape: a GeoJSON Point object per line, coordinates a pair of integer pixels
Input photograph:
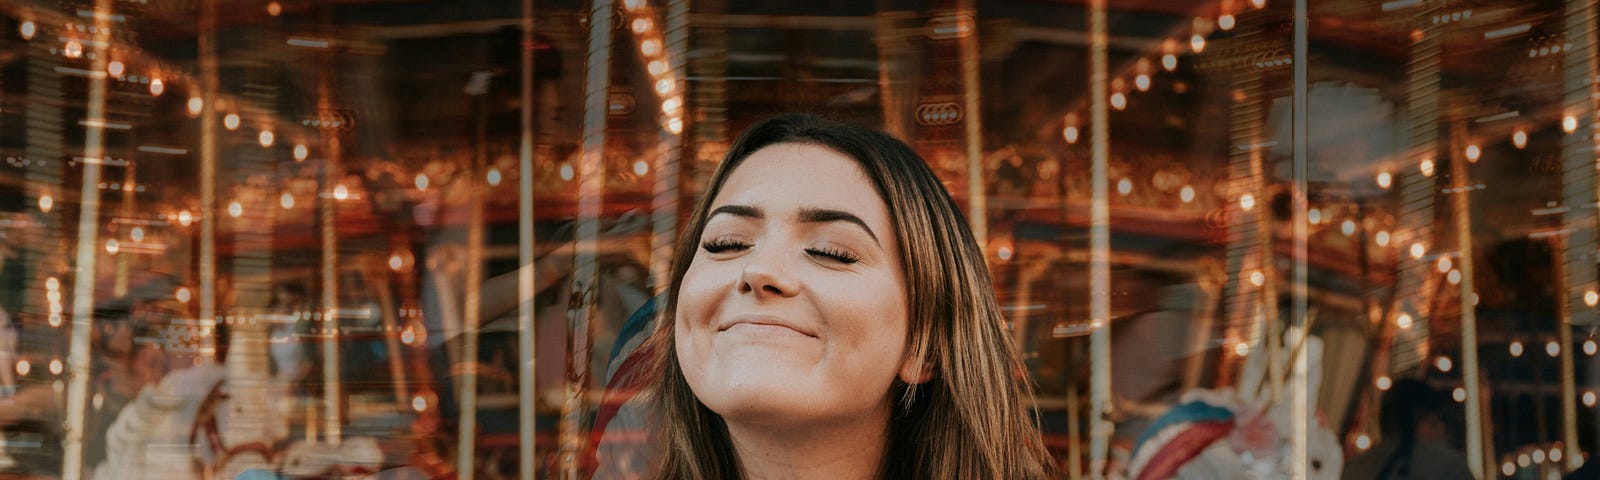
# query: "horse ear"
{"type": "Point", "coordinates": [915, 371]}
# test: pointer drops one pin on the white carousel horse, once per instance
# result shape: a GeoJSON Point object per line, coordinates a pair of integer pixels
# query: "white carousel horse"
{"type": "Point", "coordinates": [1226, 434]}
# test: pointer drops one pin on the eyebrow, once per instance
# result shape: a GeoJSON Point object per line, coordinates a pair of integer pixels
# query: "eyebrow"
{"type": "Point", "coordinates": [807, 215]}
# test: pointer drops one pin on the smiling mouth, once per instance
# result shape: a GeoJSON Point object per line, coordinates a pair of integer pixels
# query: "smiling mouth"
{"type": "Point", "coordinates": [763, 327]}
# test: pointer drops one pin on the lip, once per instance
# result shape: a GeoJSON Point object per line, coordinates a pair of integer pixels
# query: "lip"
{"type": "Point", "coordinates": [764, 320]}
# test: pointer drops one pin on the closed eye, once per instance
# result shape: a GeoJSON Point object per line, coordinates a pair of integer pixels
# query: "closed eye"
{"type": "Point", "coordinates": [721, 245]}
{"type": "Point", "coordinates": [835, 254]}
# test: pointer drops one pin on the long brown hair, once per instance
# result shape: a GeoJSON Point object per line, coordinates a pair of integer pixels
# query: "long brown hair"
{"type": "Point", "coordinates": [970, 421]}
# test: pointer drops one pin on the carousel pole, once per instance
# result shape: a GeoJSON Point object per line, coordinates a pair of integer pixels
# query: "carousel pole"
{"type": "Point", "coordinates": [208, 175]}
{"type": "Point", "coordinates": [591, 185]}
{"type": "Point", "coordinates": [328, 208]}
{"type": "Point", "coordinates": [1578, 191]}
{"type": "Point", "coordinates": [120, 285]}
{"type": "Point", "coordinates": [1461, 210]}
{"type": "Point", "coordinates": [78, 362]}
{"type": "Point", "coordinates": [1299, 395]}
{"type": "Point", "coordinates": [1099, 247]}
{"type": "Point", "coordinates": [1250, 232]}
{"type": "Point", "coordinates": [971, 63]}
{"type": "Point", "coordinates": [527, 390]}
{"type": "Point", "coordinates": [664, 205]}
{"type": "Point", "coordinates": [889, 45]}
{"type": "Point", "coordinates": [467, 373]}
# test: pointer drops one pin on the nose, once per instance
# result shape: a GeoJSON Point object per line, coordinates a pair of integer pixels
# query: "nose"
{"type": "Point", "coordinates": [765, 275]}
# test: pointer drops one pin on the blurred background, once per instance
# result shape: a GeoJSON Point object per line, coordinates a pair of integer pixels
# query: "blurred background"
{"type": "Point", "coordinates": [259, 238]}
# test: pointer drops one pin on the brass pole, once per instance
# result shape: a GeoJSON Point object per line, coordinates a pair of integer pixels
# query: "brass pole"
{"type": "Point", "coordinates": [971, 63]}
{"type": "Point", "coordinates": [78, 362]}
{"type": "Point", "coordinates": [1578, 192]}
{"type": "Point", "coordinates": [1100, 427]}
{"type": "Point", "coordinates": [1461, 210]}
{"type": "Point", "coordinates": [591, 186]}
{"type": "Point", "coordinates": [527, 391]}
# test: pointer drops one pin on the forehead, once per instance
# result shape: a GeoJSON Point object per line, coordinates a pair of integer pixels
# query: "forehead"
{"type": "Point", "coordinates": [790, 176]}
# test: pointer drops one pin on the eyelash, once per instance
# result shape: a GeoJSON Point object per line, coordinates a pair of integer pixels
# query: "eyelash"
{"type": "Point", "coordinates": [722, 245]}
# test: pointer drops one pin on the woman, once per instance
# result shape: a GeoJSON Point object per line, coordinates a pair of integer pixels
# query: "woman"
{"type": "Point", "coordinates": [831, 316]}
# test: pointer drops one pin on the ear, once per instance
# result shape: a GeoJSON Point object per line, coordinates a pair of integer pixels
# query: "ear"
{"type": "Point", "coordinates": [916, 371]}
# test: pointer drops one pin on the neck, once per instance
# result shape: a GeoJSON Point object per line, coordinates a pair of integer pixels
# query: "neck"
{"type": "Point", "coordinates": [849, 450]}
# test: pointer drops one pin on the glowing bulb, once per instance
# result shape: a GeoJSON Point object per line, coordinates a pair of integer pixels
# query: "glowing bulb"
{"type": "Point", "coordinates": [395, 262]}
{"type": "Point", "coordinates": [286, 200]}
{"type": "Point", "coordinates": [1186, 194]}
{"type": "Point", "coordinates": [1124, 186]}
{"type": "Point", "coordinates": [1454, 277]}
{"type": "Point", "coordinates": [1169, 62]}
{"type": "Point", "coordinates": [1348, 228]}
{"type": "Point", "coordinates": [632, 4]}
{"type": "Point", "coordinates": [664, 86]}
{"type": "Point", "coordinates": [675, 125]}
{"type": "Point", "coordinates": [235, 209]}
{"type": "Point", "coordinates": [300, 153]}
{"type": "Point", "coordinates": [1384, 383]}
{"type": "Point", "coordinates": [1241, 349]}
{"type": "Point", "coordinates": [641, 167]}
{"type": "Point", "coordinates": [1426, 167]}
{"type": "Point", "coordinates": [231, 121]}
{"type": "Point", "coordinates": [137, 234]}
{"type": "Point", "coordinates": [55, 366]}
{"type": "Point", "coordinates": [52, 283]}
{"type": "Point", "coordinates": [185, 218]}
{"type": "Point", "coordinates": [1314, 216]}
{"type": "Point", "coordinates": [650, 47]}
{"type": "Point", "coordinates": [1515, 348]}
{"type": "Point", "coordinates": [566, 172]}
{"type": "Point", "coordinates": [1225, 22]}
{"type": "Point", "coordinates": [1259, 3]}
{"type": "Point", "coordinates": [115, 68]}
{"type": "Point", "coordinates": [23, 367]}
{"type": "Point", "coordinates": [1257, 278]}
{"type": "Point", "coordinates": [195, 103]}
{"type": "Point", "coordinates": [28, 29]}
{"type": "Point", "coordinates": [421, 181]}
{"type": "Point", "coordinates": [1444, 264]}
{"type": "Point", "coordinates": [1508, 468]}
{"type": "Point", "coordinates": [157, 87]}
{"type": "Point", "coordinates": [1070, 134]}
{"type": "Point", "coordinates": [657, 67]}
{"type": "Point", "coordinates": [1460, 394]}
{"type": "Point", "coordinates": [1119, 101]}
{"type": "Point", "coordinates": [671, 104]}
{"type": "Point", "coordinates": [1589, 347]}
{"type": "Point", "coordinates": [1519, 138]}
{"type": "Point", "coordinates": [1524, 460]}
{"type": "Point", "coordinates": [1141, 82]}
{"type": "Point", "coordinates": [1588, 399]}
{"type": "Point", "coordinates": [1569, 123]}
{"type": "Point", "coordinates": [418, 403]}
{"type": "Point", "coordinates": [1417, 250]}
{"type": "Point", "coordinates": [1538, 456]}
{"type": "Point", "coordinates": [408, 336]}
{"type": "Point", "coordinates": [1444, 364]}
{"type": "Point", "coordinates": [1552, 348]}
{"type": "Point", "coordinates": [183, 294]}
{"type": "Point", "coordinates": [340, 192]}
{"type": "Point", "coordinates": [73, 49]}
{"type": "Point", "coordinates": [274, 9]}
{"type": "Point", "coordinates": [46, 202]}
{"type": "Point", "coordinates": [1555, 453]}
{"type": "Point", "coordinates": [1382, 238]}
{"type": "Point", "coordinates": [55, 320]}
{"type": "Point", "coordinates": [1247, 202]}
{"type": "Point", "coordinates": [1404, 321]}
{"type": "Point", "coordinates": [1590, 298]}
{"type": "Point", "coordinates": [494, 177]}
{"type": "Point", "coordinates": [1473, 152]}
{"type": "Point", "coordinates": [641, 25]}
{"type": "Point", "coordinates": [1197, 42]}
{"type": "Point", "coordinates": [1385, 180]}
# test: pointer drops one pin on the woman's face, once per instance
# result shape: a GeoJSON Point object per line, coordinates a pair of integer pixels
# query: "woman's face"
{"type": "Point", "coordinates": [793, 310]}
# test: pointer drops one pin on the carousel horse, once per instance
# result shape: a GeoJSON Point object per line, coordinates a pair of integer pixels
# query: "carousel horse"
{"type": "Point", "coordinates": [1238, 434]}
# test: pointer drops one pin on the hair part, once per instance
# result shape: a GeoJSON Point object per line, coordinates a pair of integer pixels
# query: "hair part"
{"type": "Point", "coordinates": [970, 419]}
